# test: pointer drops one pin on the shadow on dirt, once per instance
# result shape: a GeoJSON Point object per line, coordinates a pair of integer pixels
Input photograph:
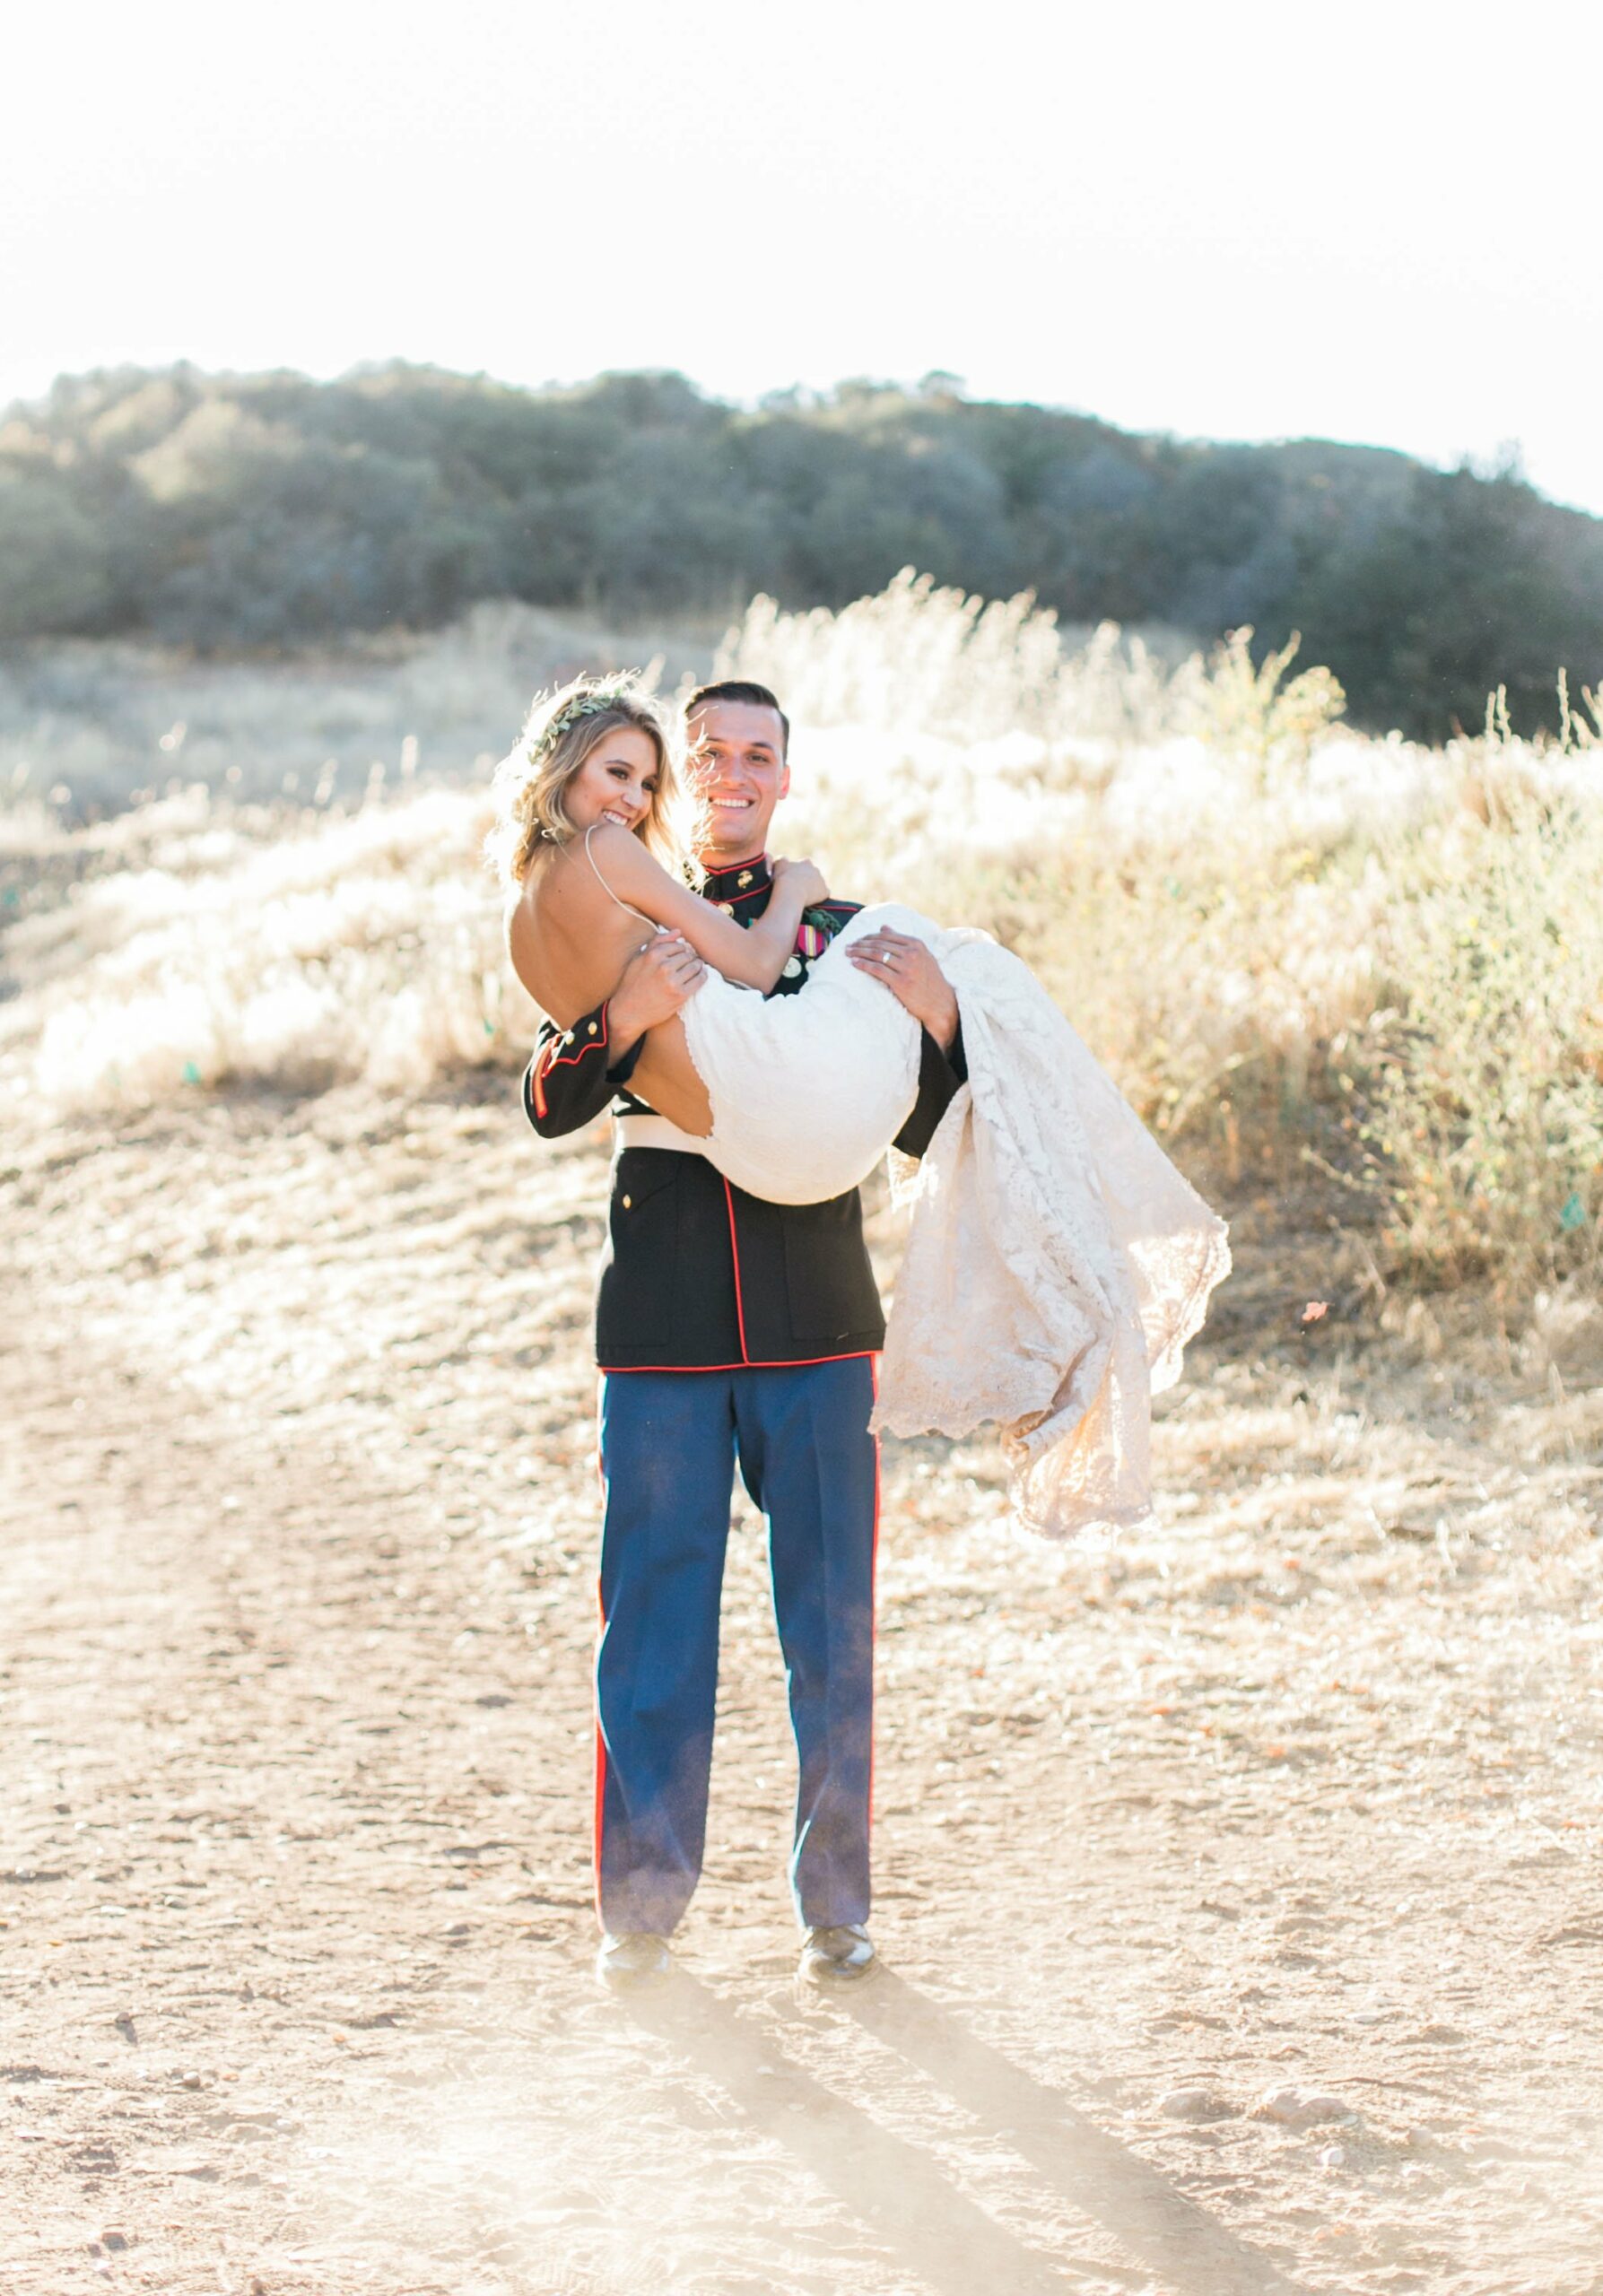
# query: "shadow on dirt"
{"type": "Point", "coordinates": [904, 2196]}
{"type": "Point", "coordinates": [1097, 2175]}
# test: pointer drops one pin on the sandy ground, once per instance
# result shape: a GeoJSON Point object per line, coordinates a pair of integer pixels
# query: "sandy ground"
{"type": "Point", "coordinates": [1238, 1890]}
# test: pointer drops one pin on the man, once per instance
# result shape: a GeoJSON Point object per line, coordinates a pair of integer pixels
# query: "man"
{"type": "Point", "coordinates": [730, 1328]}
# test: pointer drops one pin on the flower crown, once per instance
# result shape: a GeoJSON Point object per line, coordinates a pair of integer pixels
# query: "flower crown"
{"type": "Point", "coordinates": [605, 696]}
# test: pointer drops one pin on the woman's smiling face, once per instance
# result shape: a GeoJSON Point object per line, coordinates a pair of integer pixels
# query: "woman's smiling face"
{"type": "Point", "coordinates": [617, 782]}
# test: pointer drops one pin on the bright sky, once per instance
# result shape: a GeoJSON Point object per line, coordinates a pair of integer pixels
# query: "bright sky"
{"type": "Point", "coordinates": [1376, 222]}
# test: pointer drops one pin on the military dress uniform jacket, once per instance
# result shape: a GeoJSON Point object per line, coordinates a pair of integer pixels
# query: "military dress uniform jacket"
{"type": "Point", "coordinates": [695, 1273]}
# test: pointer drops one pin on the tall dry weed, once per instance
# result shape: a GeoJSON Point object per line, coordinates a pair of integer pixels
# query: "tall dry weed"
{"type": "Point", "coordinates": [1478, 1086]}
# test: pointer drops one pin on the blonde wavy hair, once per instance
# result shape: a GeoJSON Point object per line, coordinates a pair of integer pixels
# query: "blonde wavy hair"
{"type": "Point", "coordinates": [531, 782]}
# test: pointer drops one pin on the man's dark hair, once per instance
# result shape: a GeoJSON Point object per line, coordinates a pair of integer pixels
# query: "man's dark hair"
{"type": "Point", "coordinates": [745, 690]}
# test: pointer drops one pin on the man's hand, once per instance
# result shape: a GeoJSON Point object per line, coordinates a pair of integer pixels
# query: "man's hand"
{"type": "Point", "coordinates": [913, 977]}
{"type": "Point", "coordinates": [664, 974]}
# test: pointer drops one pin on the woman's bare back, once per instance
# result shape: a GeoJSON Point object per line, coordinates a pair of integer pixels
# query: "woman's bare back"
{"type": "Point", "coordinates": [569, 939]}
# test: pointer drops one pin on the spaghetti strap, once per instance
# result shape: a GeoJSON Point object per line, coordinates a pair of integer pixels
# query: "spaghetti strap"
{"type": "Point", "coordinates": [627, 907]}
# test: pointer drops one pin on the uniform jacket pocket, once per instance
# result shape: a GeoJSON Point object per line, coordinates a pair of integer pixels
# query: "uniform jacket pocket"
{"type": "Point", "coordinates": [639, 1284]}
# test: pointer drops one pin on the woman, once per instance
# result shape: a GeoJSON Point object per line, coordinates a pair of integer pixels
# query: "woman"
{"type": "Point", "coordinates": [1057, 1262]}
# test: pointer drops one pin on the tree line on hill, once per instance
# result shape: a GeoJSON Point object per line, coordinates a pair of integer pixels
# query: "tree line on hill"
{"type": "Point", "coordinates": [228, 512]}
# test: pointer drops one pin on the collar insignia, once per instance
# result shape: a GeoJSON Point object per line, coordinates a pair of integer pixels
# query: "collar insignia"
{"type": "Point", "coordinates": [740, 880]}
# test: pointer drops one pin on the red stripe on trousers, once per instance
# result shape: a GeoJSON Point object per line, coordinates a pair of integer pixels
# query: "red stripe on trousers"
{"type": "Point", "coordinates": [600, 1817]}
{"type": "Point", "coordinates": [873, 1597]}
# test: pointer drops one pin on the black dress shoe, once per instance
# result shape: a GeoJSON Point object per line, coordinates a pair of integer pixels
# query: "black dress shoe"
{"type": "Point", "coordinates": [634, 1963]}
{"type": "Point", "coordinates": [838, 1956]}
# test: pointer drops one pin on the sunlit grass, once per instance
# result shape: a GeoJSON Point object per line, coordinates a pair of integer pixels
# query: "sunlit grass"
{"type": "Point", "coordinates": [1304, 954]}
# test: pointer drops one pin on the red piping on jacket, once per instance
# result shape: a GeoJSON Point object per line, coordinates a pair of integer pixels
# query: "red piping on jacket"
{"type": "Point", "coordinates": [735, 1256]}
{"type": "Point", "coordinates": [780, 1363]}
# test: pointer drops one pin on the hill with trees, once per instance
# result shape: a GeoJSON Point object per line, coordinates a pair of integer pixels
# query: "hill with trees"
{"type": "Point", "coordinates": [230, 512]}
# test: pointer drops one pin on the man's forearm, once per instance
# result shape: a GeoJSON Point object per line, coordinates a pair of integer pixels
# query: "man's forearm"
{"type": "Point", "coordinates": [944, 1025]}
{"type": "Point", "coordinates": [573, 1075]}
{"type": "Point", "coordinates": [942, 1070]}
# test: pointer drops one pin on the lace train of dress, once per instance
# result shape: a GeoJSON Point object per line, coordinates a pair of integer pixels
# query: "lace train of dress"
{"type": "Point", "coordinates": [1056, 1263]}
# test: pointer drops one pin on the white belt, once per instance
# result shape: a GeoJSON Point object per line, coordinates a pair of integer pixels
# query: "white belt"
{"type": "Point", "coordinates": [656, 1132]}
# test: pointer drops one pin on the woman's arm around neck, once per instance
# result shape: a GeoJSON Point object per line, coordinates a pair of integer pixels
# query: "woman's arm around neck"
{"type": "Point", "coordinates": [755, 954]}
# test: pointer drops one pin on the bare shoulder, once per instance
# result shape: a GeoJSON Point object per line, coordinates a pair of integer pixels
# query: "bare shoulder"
{"type": "Point", "coordinates": [618, 854]}
{"type": "Point", "coordinates": [563, 881]}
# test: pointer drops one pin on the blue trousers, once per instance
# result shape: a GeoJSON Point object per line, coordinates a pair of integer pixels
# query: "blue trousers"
{"type": "Point", "coordinates": [669, 1444]}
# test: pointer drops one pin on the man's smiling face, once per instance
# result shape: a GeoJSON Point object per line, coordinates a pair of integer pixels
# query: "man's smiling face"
{"type": "Point", "coordinates": [738, 769]}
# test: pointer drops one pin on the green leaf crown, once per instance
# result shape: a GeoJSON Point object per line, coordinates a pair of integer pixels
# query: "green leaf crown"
{"type": "Point", "coordinates": [605, 695]}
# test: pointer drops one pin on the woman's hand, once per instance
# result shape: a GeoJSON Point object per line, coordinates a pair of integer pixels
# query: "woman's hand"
{"type": "Point", "coordinates": [913, 977]}
{"type": "Point", "coordinates": [805, 877]}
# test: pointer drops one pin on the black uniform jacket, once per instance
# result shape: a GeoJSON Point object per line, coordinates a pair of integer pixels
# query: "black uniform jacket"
{"type": "Point", "coordinates": [696, 1275]}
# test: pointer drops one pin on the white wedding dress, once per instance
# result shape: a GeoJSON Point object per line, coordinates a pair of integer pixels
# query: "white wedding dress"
{"type": "Point", "coordinates": [1056, 1263]}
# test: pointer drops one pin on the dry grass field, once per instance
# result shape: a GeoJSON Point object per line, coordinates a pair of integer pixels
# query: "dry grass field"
{"type": "Point", "coordinates": [1238, 1886]}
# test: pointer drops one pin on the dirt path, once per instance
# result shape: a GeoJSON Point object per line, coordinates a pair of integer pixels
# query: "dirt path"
{"type": "Point", "coordinates": [1300, 1801]}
